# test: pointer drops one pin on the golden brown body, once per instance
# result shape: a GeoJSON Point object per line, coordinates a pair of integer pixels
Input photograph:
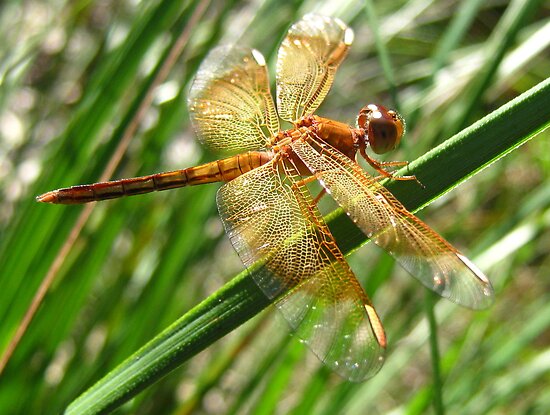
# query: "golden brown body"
{"type": "Point", "coordinates": [341, 136]}
{"type": "Point", "coordinates": [217, 171]}
{"type": "Point", "coordinates": [268, 211]}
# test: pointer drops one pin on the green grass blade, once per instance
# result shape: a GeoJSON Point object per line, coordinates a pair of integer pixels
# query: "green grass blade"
{"type": "Point", "coordinates": [235, 303]}
{"type": "Point", "coordinates": [240, 299]}
{"type": "Point", "coordinates": [437, 389]}
{"type": "Point", "coordinates": [461, 156]}
{"type": "Point", "coordinates": [476, 147]}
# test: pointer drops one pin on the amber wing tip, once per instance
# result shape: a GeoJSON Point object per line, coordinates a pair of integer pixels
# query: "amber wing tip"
{"type": "Point", "coordinates": [48, 197]}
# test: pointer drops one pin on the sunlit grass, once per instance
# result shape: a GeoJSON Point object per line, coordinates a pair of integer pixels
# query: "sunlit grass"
{"type": "Point", "coordinates": [72, 77]}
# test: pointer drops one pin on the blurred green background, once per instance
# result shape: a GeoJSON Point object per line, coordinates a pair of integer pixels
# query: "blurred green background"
{"type": "Point", "coordinates": [72, 77]}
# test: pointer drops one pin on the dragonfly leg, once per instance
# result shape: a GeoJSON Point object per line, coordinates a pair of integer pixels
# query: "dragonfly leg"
{"type": "Point", "coordinates": [319, 196]}
{"type": "Point", "coordinates": [309, 180]}
{"type": "Point", "coordinates": [306, 180]}
{"type": "Point", "coordinates": [392, 164]}
{"type": "Point", "coordinates": [384, 174]}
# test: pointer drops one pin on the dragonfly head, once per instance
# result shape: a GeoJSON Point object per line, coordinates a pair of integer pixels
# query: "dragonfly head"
{"type": "Point", "coordinates": [383, 127]}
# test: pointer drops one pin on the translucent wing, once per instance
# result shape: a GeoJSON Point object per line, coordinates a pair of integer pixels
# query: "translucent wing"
{"type": "Point", "coordinates": [417, 247]}
{"type": "Point", "coordinates": [308, 58]}
{"type": "Point", "coordinates": [269, 217]}
{"type": "Point", "coordinates": [230, 103]}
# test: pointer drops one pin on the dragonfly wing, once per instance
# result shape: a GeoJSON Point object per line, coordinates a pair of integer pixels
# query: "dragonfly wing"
{"type": "Point", "coordinates": [230, 104]}
{"type": "Point", "coordinates": [415, 246]}
{"type": "Point", "coordinates": [308, 58]}
{"type": "Point", "coordinates": [278, 232]}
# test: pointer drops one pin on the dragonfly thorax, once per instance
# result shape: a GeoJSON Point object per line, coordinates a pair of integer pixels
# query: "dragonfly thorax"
{"type": "Point", "coordinates": [339, 135]}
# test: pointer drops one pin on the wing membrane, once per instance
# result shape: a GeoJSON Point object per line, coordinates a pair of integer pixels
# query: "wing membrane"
{"type": "Point", "coordinates": [417, 248]}
{"type": "Point", "coordinates": [230, 103]}
{"type": "Point", "coordinates": [270, 218]}
{"type": "Point", "coordinates": [308, 58]}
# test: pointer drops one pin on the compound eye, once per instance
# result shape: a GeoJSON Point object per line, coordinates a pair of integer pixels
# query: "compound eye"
{"type": "Point", "coordinates": [384, 129]}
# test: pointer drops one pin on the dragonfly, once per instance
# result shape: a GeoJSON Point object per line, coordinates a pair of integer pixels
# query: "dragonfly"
{"type": "Point", "coordinates": [268, 208]}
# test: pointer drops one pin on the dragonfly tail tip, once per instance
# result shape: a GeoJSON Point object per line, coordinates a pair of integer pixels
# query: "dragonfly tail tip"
{"type": "Point", "coordinates": [48, 197]}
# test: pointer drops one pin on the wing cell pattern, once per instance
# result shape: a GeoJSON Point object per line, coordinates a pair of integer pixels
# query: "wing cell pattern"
{"type": "Point", "coordinates": [415, 246]}
{"type": "Point", "coordinates": [308, 58]}
{"type": "Point", "coordinates": [270, 217]}
{"type": "Point", "coordinates": [230, 103]}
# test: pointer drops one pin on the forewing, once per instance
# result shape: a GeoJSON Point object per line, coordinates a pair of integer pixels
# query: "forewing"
{"type": "Point", "coordinates": [279, 233]}
{"type": "Point", "coordinates": [416, 247]}
{"type": "Point", "coordinates": [308, 58]}
{"type": "Point", "coordinates": [230, 104]}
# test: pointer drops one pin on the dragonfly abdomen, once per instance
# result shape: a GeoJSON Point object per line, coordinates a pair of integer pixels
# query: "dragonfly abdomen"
{"type": "Point", "coordinates": [227, 169]}
{"type": "Point", "coordinates": [116, 188]}
{"type": "Point", "coordinates": [217, 171]}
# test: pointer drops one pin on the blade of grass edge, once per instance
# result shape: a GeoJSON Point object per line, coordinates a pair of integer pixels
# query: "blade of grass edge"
{"type": "Point", "coordinates": [382, 50]}
{"type": "Point", "coordinates": [240, 299]}
{"type": "Point", "coordinates": [437, 387]}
